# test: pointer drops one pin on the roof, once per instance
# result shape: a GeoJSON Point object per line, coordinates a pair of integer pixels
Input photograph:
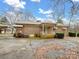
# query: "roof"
{"type": "Point", "coordinates": [27, 22]}
{"type": "Point", "coordinates": [61, 25]}
{"type": "Point", "coordinates": [48, 22]}
{"type": "Point", "coordinates": [65, 28]}
{"type": "Point", "coordinates": [31, 22]}
{"type": "Point", "coordinates": [17, 26]}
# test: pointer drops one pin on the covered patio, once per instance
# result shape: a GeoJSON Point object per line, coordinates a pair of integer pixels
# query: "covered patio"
{"type": "Point", "coordinates": [3, 28]}
{"type": "Point", "coordinates": [47, 27]}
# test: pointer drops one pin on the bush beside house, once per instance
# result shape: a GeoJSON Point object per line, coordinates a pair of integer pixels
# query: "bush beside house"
{"type": "Point", "coordinates": [72, 34]}
{"type": "Point", "coordinates": [47, 36]}
{"type": "Point", "coordinates": [77, 34]}
{"type": "Point", "coordinates": [59, 35]}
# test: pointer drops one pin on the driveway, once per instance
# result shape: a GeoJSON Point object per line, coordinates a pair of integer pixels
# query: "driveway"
{"type": "Point", "coordinates": [12, 48]}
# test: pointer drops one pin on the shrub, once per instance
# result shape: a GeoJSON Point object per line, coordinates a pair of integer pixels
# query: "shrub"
{"type": "Point", "coordinates": [72, 34]}
{"type": "Point", "coordinates": [18, 35]}
{"type": "Point", "coordinates": [43, 36]}
{"type": "Point", "coordinates": [77, 34]}
{"type": "Point", "coordinates": [31, 35]}
{"type": "Point", "coordinates": [59, 35]}
{"type": "Point", "coordinates": [25, 36]}
{"type": "Point", "coordinates": [37, 35]}
{"type": "Point", "coordinates": [14, 35]}
{"type": "Point", "coordinates": [50, 35]}
{"type": "Point", "coordinates": [47, 36]}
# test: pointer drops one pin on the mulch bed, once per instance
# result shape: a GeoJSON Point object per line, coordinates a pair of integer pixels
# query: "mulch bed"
{"type": "Point", "coordinates": [54, 51]}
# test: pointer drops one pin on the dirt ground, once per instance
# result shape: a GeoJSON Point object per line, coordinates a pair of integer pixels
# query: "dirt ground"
{"type": "Point", "coordinates": [12, 48]}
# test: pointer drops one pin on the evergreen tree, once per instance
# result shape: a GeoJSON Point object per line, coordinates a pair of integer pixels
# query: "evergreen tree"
{"type": "Point", "coordinates": [60, 21]}
{"type": "Point", "coordinates": [3, 20]}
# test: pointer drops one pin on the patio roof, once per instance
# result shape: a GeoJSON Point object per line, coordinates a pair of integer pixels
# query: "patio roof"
{"type": "Point", "coordinates": [17, 26]}
{"type": "Point", "coordinates": [31, 22]}
{"type": "Point", "coordinates": [3, 25]}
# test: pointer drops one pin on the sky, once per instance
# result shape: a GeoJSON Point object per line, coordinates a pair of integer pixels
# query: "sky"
{"type": "Point", "coordinates": [41, 9]}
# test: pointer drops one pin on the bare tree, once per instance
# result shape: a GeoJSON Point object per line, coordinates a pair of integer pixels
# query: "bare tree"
{"type": "Point", "coordinates": [73, 11]}
{"type": "Point", "coordinates": [59, 8]}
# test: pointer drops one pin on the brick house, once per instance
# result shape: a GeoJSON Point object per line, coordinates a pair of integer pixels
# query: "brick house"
{"type": "Point", "coordinates": [34, 27]}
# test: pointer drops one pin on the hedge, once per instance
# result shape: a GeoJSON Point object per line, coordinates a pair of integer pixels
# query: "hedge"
{"type": "Point", "coordinates": [47, 36]}
{"type": "Point", "coordinates": [72, 34]}
{"type": "Point", "coordinates": [77, 34]}
{"type": "Point", "coordinates": [37, 35]}
{"type": "Point", "coordinates": [59, 35]}
{"type": "Point", "coordinates": [20, 35]}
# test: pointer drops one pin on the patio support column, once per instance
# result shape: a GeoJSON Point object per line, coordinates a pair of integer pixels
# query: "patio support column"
{"type": "Point", "coordinates": [46, 30]}
{"type": "Point", "coordinates": [4, 30]}
{"type": "Point", "coordinates": [12, 30]}
{"type": "Point", "coordinates": [43, 28]}
{"type": "Point", "coordinates": [0, 30]}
